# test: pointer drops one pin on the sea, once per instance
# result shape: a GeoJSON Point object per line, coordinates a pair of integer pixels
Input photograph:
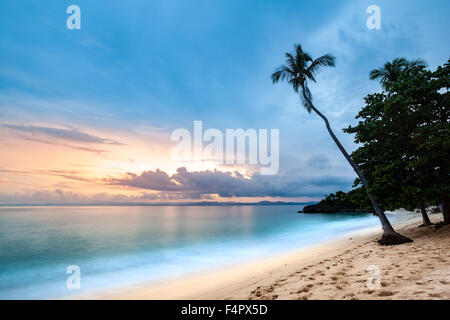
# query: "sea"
{"type": "Point", "coordinates": [58, 252]}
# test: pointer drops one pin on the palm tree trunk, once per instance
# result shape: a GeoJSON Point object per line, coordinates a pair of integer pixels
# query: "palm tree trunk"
{"type": "Point", "coordinates": [390, 236]}
{"type": "Point", "coordinates": [426, 221]}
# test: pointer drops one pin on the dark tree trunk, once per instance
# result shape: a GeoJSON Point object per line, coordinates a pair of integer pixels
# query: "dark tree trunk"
{"type": "Point", "coordinates": [390, 236]}
{"type": "Point", "coordinates": [426, 221]}
{"type": "Point", "coordinates": [446, 209]}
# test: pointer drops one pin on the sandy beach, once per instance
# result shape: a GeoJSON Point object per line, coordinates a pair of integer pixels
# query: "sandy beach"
{"type": "Point", "coordinates": [334, 270]}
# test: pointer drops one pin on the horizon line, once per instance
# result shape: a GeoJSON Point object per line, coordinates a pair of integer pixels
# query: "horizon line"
{"type": "Point", "coordinates": [202, 203]}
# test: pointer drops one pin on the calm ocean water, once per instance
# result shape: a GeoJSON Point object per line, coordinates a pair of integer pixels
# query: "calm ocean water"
{"type": "Point", "coordinates": [121, 245]}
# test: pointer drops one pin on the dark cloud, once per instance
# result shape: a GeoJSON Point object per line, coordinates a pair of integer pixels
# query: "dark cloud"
{"type": "Point", "coordinates": [182, 185]}
{"type": "Point", "coordinates": [232, 184]}
{"type": "Point", "coordinates": [151, 180]}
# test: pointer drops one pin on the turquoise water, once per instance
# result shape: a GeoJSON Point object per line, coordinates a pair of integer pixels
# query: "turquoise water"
{"type": "Point", "coordinates": [122, 245]}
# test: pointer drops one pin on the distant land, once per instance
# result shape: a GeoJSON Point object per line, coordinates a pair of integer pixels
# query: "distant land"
{"type": "Point", "coordinates": [203, 203]}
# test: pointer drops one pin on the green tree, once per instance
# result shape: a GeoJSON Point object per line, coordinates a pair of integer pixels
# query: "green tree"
{"type": "Point", "coordinates": [404, 135]}
{"type": "Point", "coordinates": [384, 155]}
{"type": "Point", "coordinates": [429, 92]}
{"type": "Point", "coordinates": [298, 70]}
{"type": "Point", "coordinates": [391, 71]}
{"type": "Point", "coordinates": [354, 199]}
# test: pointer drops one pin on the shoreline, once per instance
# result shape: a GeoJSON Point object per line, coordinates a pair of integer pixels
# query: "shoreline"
{"type": "Point", "coordinates": [221, 282]}
{"type": "Point", "coordinates": [262, 278]}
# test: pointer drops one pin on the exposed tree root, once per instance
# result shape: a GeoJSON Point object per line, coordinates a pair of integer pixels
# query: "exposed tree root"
{"type": "Point", "coordinates": [441, 224]}
{"type": "Point", "coordinates": [393, 238]}
{"type": "Point", "coordinates": [426, 225]}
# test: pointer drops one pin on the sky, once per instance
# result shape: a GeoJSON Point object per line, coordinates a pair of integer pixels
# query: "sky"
{"type": "Point", "coordinates": [86, 115]}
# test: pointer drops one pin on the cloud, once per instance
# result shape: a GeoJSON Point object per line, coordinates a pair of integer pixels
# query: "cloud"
{"type": "Point", "coordinates": [68, 174]}
{"type": "Point", "coordinates": [232, 184]}
{"type": "Point", "coordinates": [66, 134]}
{"type": "Point", "coordinates": [88, 149]}
{"type": "Point", "coordinates": [184, 185]}
{"type": "Point", "coordinates": [60, 136]}
{"type": "Point", "coordinates": [151, 180]}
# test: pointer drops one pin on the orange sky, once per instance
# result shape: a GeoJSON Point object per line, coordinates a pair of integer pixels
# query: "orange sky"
{"type": "Point", "coordinates": [38, 162]}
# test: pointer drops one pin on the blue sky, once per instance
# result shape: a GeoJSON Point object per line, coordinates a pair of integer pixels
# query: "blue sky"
{"type": "Point", "coordinates": [153, 66]}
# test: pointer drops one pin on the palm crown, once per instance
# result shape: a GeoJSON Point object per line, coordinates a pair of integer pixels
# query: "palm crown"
{"type": "Point", "coordinates": [298, 69]}
{"type": "Point", "coordinates": [391, 71]}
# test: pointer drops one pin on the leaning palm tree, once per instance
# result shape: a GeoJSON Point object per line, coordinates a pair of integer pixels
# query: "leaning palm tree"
{"type": "Point", "coordinates": [391, 71]}
{"type": "Point", "coordinates": [298, 70]}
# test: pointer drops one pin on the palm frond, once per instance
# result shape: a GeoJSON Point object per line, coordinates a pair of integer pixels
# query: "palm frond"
{"type": "Point", "coordinates": [302, 55]}
{"type": "Point", "coordinates": [291, 61]}
{"type": "Point", "coordinates": [282, 73]}
{"type": "Point", "coordinates": [295, 84]}
{"type": "Point", "coordinates": [306, 98]}
{"type": "Point", "coordinates": [417, 63]}
{"type": "Point", "coordinates": [324, 61]}
{"type": "Point", "coordinates": [399, 62]}
{"type": "Point", "coordinates": [376, 73]}
{"type": "Point", "coordinates": [391, 71]}
{"type": "Point", "coordinates": [310, 75]}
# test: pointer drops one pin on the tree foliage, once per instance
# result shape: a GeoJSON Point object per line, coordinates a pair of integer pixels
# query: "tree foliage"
{"type": "Point", "coordinates": [298, 69]}
{"type": "Point", "coordinates": [404, 137]}
{"type": "Point", "coordinates": [354, 199]}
